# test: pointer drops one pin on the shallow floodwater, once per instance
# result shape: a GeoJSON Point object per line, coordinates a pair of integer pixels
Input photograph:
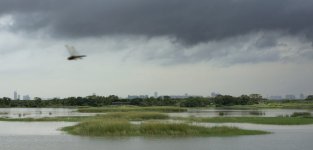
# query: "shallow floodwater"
{"type": "Point", "coordinates": [55, 112]}
{"type": "Point", "coordinates": [39, 112]}
{"type": "Point", "coordinates": [45, 136]}
{"type": "Point", "coordinates": [215, 112]}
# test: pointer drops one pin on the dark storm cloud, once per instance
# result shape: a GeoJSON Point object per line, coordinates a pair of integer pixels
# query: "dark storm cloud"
{"type": "Point", "coordinates": [192, 21]}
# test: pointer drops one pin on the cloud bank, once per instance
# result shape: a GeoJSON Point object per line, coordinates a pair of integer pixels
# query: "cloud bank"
{"type": "Point", "coordinates": [231, 31]}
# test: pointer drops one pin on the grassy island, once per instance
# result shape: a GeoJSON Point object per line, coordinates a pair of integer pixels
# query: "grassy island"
{"type": "Point", "coordinates": [120, 127]}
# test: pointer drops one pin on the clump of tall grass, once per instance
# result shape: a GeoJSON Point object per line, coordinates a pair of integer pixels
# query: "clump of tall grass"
{"type": "Point", "coordinates": [301, 114]}
{"type": "Point", "coordinates": [135, 115]}
{"type": "Point", "coordinates": [123, 128]}
{"type": "Point", "coordinates": [257, 120]}
{"type": "Point", "coordinates": [132, 108]}
{"type": "Point", "coordinates": [100, 127]}
{"type": "Point", "coordinates": [181, 129]}
{"type": "Point", "coordinates": [221, 113]}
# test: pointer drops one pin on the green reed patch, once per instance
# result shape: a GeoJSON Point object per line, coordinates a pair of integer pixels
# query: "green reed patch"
{"type": "Point", "coordinates": [118, 127]}
{"type": "Point", "coordinates": [181, 129]}
{"type": "Point", "coordinates": [102, 127]}
{"type": "Point", "coordinates": [257, 120]}
{"type": "Point", "coordinates": [131, 108]}
{"type": "Point", "coordinates": [135, 115]}
{"type": "Point", "coordinates": [301, 114]}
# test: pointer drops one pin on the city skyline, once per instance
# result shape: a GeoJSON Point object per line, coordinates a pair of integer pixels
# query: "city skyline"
{"type": "Point", "coordinates": [156, 94]}
{"type": "Point", "coordinates": [17, 96]}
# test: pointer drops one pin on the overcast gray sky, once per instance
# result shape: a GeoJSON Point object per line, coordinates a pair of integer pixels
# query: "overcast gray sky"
{"type": "Point", "coordinates": [170, 46]}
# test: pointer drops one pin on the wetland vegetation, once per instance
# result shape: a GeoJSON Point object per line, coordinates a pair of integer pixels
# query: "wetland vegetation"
{"type": "Point", "coordinates": [131, 109]}
{"type": "Point", "coordinates": [256, 120]}
{"type": "Point", "coordinates": [243, 101]}
{"type": "Point", "coordinates": [117, 120]}
{"type": "Point", "coordinates": [121, 127]}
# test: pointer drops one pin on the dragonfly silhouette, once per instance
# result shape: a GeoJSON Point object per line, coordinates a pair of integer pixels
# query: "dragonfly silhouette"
{"type": "Point", "coordinates": [74, 55]}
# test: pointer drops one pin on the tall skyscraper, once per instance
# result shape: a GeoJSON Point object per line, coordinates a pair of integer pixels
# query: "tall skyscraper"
{"type": "Point", "coordinates": [15, 95]}
{"type": "Point", "coordinates": [155, 94]}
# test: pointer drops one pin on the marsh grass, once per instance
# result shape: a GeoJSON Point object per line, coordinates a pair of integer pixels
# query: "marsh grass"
{"type": "Point", "coordinates": [100, 127]}
{"type": "Point", "coordinates": [131, 109]}
{"type": "Point", "coordinates": [135, 116]}
{"type": "Point", "coordinates": [301, 114]}
{"type": "Point", "coordinates": [182, 129]}
{"type": "Point", "coordinates": [257, 120]}
{"type": "Point", "coordinates": [131, 116]}
{"type": "Point", "coordinates": [278, 105]}
{"type": "Point", "coordinates": [120, 127]}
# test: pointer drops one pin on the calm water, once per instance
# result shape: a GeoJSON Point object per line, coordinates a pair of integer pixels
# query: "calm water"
{"type": "Point", "coordinates": [54, 112]}
{"type": "Point", "coordinates": [39, 112]}
{"type": "Point", "coordinates": [45, 136]}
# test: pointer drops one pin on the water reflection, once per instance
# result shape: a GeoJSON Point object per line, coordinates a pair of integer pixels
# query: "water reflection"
{"type": "Point", "coordinates": [239, 113]}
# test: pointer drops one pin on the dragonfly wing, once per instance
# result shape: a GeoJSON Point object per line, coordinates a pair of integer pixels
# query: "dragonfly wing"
{"type": "Point", "coordinates": [71, 50]}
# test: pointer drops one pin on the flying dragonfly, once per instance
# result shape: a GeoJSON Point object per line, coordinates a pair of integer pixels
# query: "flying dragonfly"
{"type": "Point", "coordinates": [74, 55]}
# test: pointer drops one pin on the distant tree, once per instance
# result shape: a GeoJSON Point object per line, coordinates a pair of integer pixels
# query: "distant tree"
{"type": "Point", "coordinates": [244, 100]}
{"type": "Point", "coordinates": [195, 102]}
{"type": "Point", "coordinates": [38, 102]}
{"type": "Point", "coordinates": [166, 97]}
{"type": "Point", "coordinates": [225, 100]}
{"type": "Point", "coordinates": [310, 97]}
{"type": "Point", "coordinates": [113, 98]}
{"type": "Point", "coordinates": [256, 98]}
{"type": "Point", "coordinates": [136, 101]}
{"type": "Point", "coordinates": [5, 102]}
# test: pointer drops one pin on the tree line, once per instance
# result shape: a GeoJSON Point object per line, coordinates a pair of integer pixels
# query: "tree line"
{"type": "Point", "coordinates": [98, 101]}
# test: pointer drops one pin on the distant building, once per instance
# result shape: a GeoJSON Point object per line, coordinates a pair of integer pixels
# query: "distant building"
{"type": "Point", "coordinates": [18, 96]}
{"type": "Point", "coordinates": [155, 94]}
{"type": "Point", "coordinates": [290, 97]}
{"type": "Point", "coordinates": [15, 95]}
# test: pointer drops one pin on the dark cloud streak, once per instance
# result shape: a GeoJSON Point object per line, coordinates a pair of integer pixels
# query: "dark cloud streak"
{"type": "Point", "coordinates": [190, 21]}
